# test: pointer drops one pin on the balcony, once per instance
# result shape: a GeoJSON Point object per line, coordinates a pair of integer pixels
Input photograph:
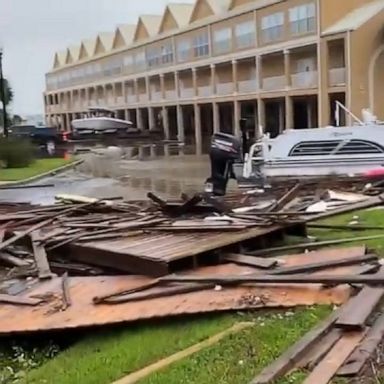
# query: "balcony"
{"type": "Point", "coordinates": [224, 88]}
{"type": "Point", "coordinates": [204, 91]}
{"type": "Point", "coordinates": [305, 79]}
{"type": "Point", "coordinates": [143, 97]}
{"type": "Point", "coordinates": [120, 100]}
{"type": "Point", "coordinates": [170, 94]}
{"type": "Point", "coordinates": [92, 103]}
{"type": "Point", "coordinates": [337, 77]}
{"type": "Point", "coordinates": [187, 93]}
{"type": "Point", "coordinates": [132, 99]}
{"type": "Point", "coordinates": [156, 96]}
{"type": "Point", "coordinates": [248, 86]}
{"type": "Point", "coordinates": [274, 83]}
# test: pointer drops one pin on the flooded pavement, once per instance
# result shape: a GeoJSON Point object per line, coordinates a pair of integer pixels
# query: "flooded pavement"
{"type": "Point", "coordinates": [129, 172]}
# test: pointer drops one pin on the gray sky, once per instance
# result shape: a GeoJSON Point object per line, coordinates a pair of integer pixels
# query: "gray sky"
{"type": "Point", "coordinates": [31, 31]}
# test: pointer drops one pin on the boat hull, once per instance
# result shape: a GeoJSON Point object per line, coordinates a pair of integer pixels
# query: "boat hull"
{"type": "Point", "coordinates": [100, 124]}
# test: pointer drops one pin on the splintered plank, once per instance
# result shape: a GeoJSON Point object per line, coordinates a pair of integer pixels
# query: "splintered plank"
{"type": "Point", "coordinates": [40, 256]}
{"type": "Point", "coordinates": [326, 370]}
{"type": "Point", "coordinates": [18, 300]}
{"type": "Point", "coordinates": [364, 351]}
{"type": "Point", "coordinates": [359, 308]}
{"type": "Point", "coordinates": [252, 261]}
{"type": "Point", "coordinates": [294, 354]}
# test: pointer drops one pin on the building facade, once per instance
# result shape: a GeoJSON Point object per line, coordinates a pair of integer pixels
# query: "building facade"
{"type": "Point", "coordinates": [199, 68]}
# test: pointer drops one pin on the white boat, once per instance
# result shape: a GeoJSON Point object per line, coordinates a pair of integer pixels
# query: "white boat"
{"type": "Point", "coordinates": [334, 150]}
{"type": "Point", "coordinates": [100, 120]}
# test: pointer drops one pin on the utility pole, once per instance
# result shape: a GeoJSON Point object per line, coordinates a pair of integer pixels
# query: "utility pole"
{"type": "Point", "coordinates": [3, 96]}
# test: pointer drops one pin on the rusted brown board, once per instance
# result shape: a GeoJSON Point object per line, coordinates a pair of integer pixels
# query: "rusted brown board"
{"type": "Point", "coordinates": [294, 354]}
{"type": "Point", "coordinates": [19, 300]}
{"type": "Point", "coordinates": [313, 267]}
{"type": "Point", "coordinates": [365, 351]}
{"type": "Point", "coordinates": [319, 350]}
{"type": "Point", "coordinates": [372, 280]}
{"type": "Point", "coordinates": [327, 368]}
{"type": "Point", "coordinates": [84, 313]}
{"type": "Point", "coordinates": [318, 244]}
{"type": "Point", "coordinates": [40, 256]}
{"type": "Point", "coordinates": [252, 261]}
{"type": "Point", "coordinates": [360, 307]}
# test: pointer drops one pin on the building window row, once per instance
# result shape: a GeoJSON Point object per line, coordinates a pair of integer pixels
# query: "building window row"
{"type": "Point", "coordinates": [302, 20]}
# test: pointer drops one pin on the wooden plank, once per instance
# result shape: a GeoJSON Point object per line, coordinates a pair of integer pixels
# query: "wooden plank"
{"type": "Point", "coordinates": [161, 364]}
{"type": "Point", "coordinates": [360, 307]}
{"type": "Point", "coordinates": [326, 370]}
{"type": "Point", "coordinates": [317, 353]}
{"type": "Point", "coordinates": [288, 197]}
{"type": "Point", "coordinates": [314, 245]}
{"type": "Point", "coordinates": [313, 267]}
{"type": "Point", "coordinates": [18, 300]}
{"type": "Point", "coordinates": [253, 261]}
{"type": "Point", "coordinates": [12, 261]}
{"type": "Point", "coordinates": [41, 260]}
{"type": "Point", "coordinates": [365, 350]}
{"type": "Point", "coordinates": [288, 360]}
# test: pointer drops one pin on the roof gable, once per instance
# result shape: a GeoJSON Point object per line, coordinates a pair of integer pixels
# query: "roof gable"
{"type": "Point", "coordinates": [56, 61]}
{"type": "Point", "coordinates": [175, 16]}
{"type": "Point", "coordinates": [238, 3]}
{"type": "Point", "coordinates": [206, 8]}
{"type": "Point", "coordinates": [90, 46]}
{"type": "Point", "coordinates": [106, 39]}
{"type": "Point", "coordinates": [83, 54]}
{"type": "Point", "coordinates": [75, 52]}
{"type": "Point", "coordinates": [124, 35]}
{"type": "Point", "coordinates": [147, 27]}
{"type": "Point", "coordinates": [99, 47]}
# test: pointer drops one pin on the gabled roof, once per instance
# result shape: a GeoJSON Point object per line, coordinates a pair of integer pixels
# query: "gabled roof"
{"type": "Point", "coordinates": [74, 51]}
{"type": "Point", "coordinates": [238, 3]}
{"type": "Point", "coordinates": [147, 26]}
{"type": "Point", "coordinates": [356, 19]}
{"type": "Point", "coordinates": [124, 35]}
{"type": "Point", "coordinates": [106, 39]}
{"type": "Point", "coordinates": [176, 15]}
{"type": "Point", "coordinates": [206, 8]}
{"type": "Point", "coordinates": [60, 58]}
{"type": "Point", "coordinates": [90, 46]}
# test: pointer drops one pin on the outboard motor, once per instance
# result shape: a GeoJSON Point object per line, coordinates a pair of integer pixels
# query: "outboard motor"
{"type": "Point", "coordinates": [224, 151]}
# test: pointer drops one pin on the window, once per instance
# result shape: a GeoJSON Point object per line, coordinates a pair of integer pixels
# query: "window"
{"type": "Point", "coordinates": [302, 19]}
{"type": "Point", "coordinates": [153, 57]}
{"type": "Point", "coordinates": [140, 61]}
{"type": "Point", "coordinates": [167, 53]}
{"type": "Point", "coordinates": [272, 27]}
{"type": "Point", "coordinates": [201, 45]}
{"type": "Point", "coordinates": [245, 34]}
{"type": "Point", "coordinates": [360, 147]}
{"type": "Point", "coordinates": [115, 66]}
{"type": "Point", "coordinates": [183, 50]}
{"type": "Point", "coordinates": [222, 40]}
{"type": "Point", "coordinates": [315, 148]}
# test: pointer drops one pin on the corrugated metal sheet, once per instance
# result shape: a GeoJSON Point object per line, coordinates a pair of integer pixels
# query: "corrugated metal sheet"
{"type": "Point", "coordinates": [83, 313]}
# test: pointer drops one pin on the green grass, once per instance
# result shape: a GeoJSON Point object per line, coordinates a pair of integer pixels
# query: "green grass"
{"type": "Point", "coordinates": [36, 168]}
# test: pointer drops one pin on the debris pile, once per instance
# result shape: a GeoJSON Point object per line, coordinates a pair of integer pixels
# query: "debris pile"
{"type": "Point", "coordinates": [66, 265]}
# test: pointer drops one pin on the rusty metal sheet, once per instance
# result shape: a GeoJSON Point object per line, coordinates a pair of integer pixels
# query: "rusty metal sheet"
{"type": "Point", "coordinates": [83, 313]}
{"type": "Point", "coordinates": [151, 253]}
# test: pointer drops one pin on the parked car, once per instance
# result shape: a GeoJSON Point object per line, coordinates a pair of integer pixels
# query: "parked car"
{"type": "Point", "coordinates": [38, 135]}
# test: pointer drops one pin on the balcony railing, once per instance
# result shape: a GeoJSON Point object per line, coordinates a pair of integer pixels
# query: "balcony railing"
{"type": "Point", "coordinates": [170, 94]}
{"type": "Point", "coordinates": [204, 91]}
{"type": "Point", "coordinates": [274, 83]}
{"type": "Point", "coordinates": [187, 93]}
{"type": "Point", "coordinates": [224, 88]}
{"type": "Point", "coordinates": [305, 79]}
{"type": "Point", "coordinates": [337, 76]}
{"type": "Point", "coordinates": [156, 96]}
{"type": "Point", "coordinates": [143, 97]}
{"type": "Point", "coordinates": [120, 100]}
{"type": "Point", "coordinates": [248, 86]}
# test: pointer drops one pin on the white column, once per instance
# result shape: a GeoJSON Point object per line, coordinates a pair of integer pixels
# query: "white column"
{"type": "Point", "coordinates": [165, 123]}
{"type": "Point", "coordinates": [151, 119]}
{"type": "Point", "coordinates": [287, 67]}
{"type": "Point", "coordinates": [288, 113]}
{"type": "Point", "coordinates": [162, 86]}
{"type": "Point", "coordinates": [235, 77]}
{"type": "Point", "coordinates": [194, 82]}
{"type": "Point", "coordinates": [216, 117]}
{"type": "Point", "coordinates": [259, 72]}
{"type": "Point", "coordinates": [236, 116]}
{"type": "Point", "coordinates": [198, 136]}
{"type": "Point", "coordinates": [180, 124]}
{"type": "Point", "coordinates": [148, 88]}
{"type": "Point", "coordinates": [139, 119]}
{"type": "Point", "coordinates": [177, 84]}
{"type": "Point", "coordinates": [213, 79]}
{"type": "Point", "coordinates": [261, 115]}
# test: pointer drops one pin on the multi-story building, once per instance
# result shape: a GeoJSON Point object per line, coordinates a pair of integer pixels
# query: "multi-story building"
{"type": "Point", "coordinates": [199, 68]}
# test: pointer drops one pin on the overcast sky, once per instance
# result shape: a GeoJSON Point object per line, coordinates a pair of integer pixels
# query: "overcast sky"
{"type": "Point", "coordinates": [31, 31]}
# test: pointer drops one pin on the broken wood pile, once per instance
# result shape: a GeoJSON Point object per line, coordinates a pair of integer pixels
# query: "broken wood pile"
{"type": "Point", "coordinates": [64, 266]}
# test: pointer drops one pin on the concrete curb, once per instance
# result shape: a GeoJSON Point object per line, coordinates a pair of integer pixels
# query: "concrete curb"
{"type": "Point", "coordinates": [32, 179]}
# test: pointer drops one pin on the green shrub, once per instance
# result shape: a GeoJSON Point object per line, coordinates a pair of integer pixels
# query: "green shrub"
{"type": "Point", "coordinates": [15, 153]}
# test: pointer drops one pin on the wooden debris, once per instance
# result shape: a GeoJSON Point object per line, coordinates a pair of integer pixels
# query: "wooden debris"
{"type": "Point", "coordinates": [41, 260]}
{"type": "Point", "coordinates": [13, 261]}
{"type": "Point", "coordinates": [364, 351]}
{"type": "Point", "coordinates": [252, 261]}
{"type": "Point", "coordinates": [294, 354]}
{"type": "Point", "coordinates": [18, 300]}
{"type": "Point", "coordinates": [67, 301]}
{"type": "Point", "coordinates": [328, 367]}
{"type": "Point", "coordinates": [287, 198]}
{"type": "Point", "coordinates": [359, 308]}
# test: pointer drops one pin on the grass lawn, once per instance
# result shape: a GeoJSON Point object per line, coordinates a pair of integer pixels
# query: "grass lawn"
{"type": "Point", "coordinates": [38, 167]}
{"type": "Point", "coordinates": [106, 355]}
